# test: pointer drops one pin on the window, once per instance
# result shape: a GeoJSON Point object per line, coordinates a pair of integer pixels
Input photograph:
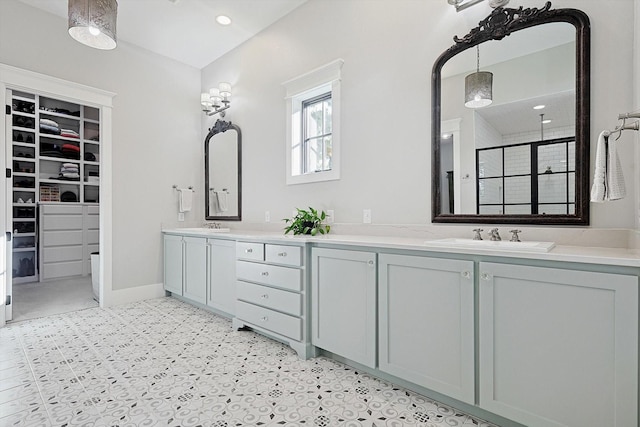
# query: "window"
{"type": "Point", "coordinates": [313, 125]}
{"type": "Point", "coordinates": [316, 134]}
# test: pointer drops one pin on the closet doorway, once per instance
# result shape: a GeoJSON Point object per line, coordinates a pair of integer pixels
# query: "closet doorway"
{"type": "Point", "coordinates": [53, 204]}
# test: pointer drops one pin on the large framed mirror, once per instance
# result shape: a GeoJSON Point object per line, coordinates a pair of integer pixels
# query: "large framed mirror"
{"type": "Point", "coordinates": [523, 159]}
{"type": "Point", "coordinates": [223, 172]}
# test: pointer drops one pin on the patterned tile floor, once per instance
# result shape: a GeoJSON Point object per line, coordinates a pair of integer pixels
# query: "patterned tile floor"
{"type": "Point", "coordinates": [165, 363]}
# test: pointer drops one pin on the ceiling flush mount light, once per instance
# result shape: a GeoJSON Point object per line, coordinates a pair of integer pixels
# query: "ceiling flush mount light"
{"type": "Point", "coordinates": [478, 87]}
{"type": "Point", "coordinates": [223, 20]}
{"type": "Point", "coordinates": [539, 107]}
{"type": "Point", "coordinates": [217, 100]}
{"type": "Point", "coordinates": [93, 22]}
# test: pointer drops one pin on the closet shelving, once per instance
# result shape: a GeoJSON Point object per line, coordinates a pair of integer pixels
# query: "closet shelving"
{"type": "Point", "coordinates": [44, 160]}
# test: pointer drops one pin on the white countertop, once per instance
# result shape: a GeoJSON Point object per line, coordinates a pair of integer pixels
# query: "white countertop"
{"type": "Point", "coordinates": [580, 254]}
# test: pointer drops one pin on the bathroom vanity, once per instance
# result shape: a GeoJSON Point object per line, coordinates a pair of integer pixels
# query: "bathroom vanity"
{"type": "Point", "coordinates": [536, 338]}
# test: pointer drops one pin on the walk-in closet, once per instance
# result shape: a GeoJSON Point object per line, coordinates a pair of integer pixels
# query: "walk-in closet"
{"type": "Point", "coordinates": [53, 160]}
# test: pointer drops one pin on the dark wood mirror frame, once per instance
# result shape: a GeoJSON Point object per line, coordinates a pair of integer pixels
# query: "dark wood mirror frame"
{"type": "Point", "coordinates": [499, 24]}
{"type": "Point", "coordinates": [219, 127]}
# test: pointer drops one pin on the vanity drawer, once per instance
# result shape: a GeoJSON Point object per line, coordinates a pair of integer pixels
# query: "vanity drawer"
{"type": "Point", "coordinates": [273, 275]}
{"type": "Point", "coordinates": [287, 302]}
{"type": "Point", "coordinates": [287, 255]}
{"type": "Point", "coordinates": [279, 323]}
{"type": "Point", "coordinates": [250, 251]}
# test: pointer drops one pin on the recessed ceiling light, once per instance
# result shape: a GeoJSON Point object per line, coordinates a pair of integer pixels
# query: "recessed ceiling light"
{"type": "Point", "coordinates": [546, 121]}
{"type": "Point", "coordinates": [538, 107]}
{"type": "Point", "coordinates": [223, 20]}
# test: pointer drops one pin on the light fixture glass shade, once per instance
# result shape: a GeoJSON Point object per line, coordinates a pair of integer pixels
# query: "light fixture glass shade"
{"type": "Point", "coordinates": [478, 89]}
{"type": "Point", "coordinates": [214, 92]}
{"type": "Point", "coordinates": [93, 22]}
{"type": "Point", "coordinates": [205, 100]}
{"type": "Point", "coordinates": [225, 89]}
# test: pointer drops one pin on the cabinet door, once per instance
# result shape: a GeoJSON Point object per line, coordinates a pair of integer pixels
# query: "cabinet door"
{"type": "Point", "coordinates": [173, 264]}
{"type": "Point", "coordinates": [426, 323]}
{"type": "Point", "coordinates": [344, 303]}
{"type": "Point", "coordinates": [222, 275]}
{"type": "Point", "coordinates": [196, 257]}
{"type": "Point", "coordinates": [558, 347]}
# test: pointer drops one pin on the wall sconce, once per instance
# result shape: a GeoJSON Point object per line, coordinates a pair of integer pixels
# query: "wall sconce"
{"type": "Point", "coordinates": [93, 22]}
{"type": "Point", "coordinates": [217, 100]}
{"type": "Point", "coordinates": [478, 87]}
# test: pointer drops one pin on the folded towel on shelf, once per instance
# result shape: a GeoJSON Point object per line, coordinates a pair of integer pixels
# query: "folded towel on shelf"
{"type": "Point", "coordinates": [70, 165]}
{"type": "Point", "coordinates": [608, 180]}
{"type": "Point", "coordinates": [185, 199]}
{"type": "Point", "coordinates": [49, 129]}
{"type": "Point", "coordinates": [221, 197]}
{"type": "Point", "coordinates": [69, 133]}
{"type": "Point", "coordinates": [48, 122]}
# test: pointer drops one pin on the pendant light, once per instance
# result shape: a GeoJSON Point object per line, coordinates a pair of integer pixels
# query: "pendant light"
{"type": "Point", "coordinates": [478, 87]}
{"type": "Point", "coordinates": [93, 22]}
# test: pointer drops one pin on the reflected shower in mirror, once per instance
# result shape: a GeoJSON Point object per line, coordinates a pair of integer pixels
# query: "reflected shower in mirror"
{"type": "Point", "coordinates": [524, 158]}
{"type": "Point", "coordinates": [223, 172]}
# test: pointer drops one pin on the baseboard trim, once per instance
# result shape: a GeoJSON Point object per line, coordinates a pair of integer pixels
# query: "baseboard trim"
{"type": "Point", "coordinates": [138, 293]}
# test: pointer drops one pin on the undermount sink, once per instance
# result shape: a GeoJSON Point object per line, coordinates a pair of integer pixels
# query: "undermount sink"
{"type": "Point", "coordinates": [206, 230]}
{"type": "Point", "coordinates": [492, 245]}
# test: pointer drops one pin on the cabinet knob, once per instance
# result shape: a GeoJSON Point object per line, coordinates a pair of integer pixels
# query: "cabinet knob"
{"type": "Point", "coordinates": [485, 276]}
{"type": "Point", "coordinates": [371, 263]}
{"type": "Point", "coordinates": [264, 296]}
{"type": "Point", "coordinates": [265, 273]}
{"type": "Point", "coordinates": [264, 319]}
{"type": "Point", "coordinates": [282, 254]}
{"type": "Point", "coordinates": [466, 274]}
{"type": "Point", "coordinates": [248, 250]}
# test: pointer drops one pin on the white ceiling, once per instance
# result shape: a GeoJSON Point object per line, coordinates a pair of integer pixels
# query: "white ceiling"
{"type": "Point", "coordinates": [186, 30]}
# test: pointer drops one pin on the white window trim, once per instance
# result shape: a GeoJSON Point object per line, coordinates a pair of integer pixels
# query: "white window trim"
{"type": "Point", "coordinates": [307, 86]}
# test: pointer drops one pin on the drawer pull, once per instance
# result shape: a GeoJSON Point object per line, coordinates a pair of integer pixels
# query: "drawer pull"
{"type": "Point", "coordinates": [248, 250]}
{"type": "Point", "coordinates": [283, 254]}
{"type": "Point", "coordinates": [371, 263]}
{"type": "Point", "coordinates": [264, 319]}
{"type": "Point", "coordinates": [264, 296]}
{"type": "Point", "coordinates": [466, 274]}
{"type": "Point", "coordinates": [486, 276]}
{"type": "Point", "coordinates": [265, 273]}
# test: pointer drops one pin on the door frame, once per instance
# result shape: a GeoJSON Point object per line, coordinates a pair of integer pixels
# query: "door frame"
{"type": "Point", "coordinates": [28, 81]}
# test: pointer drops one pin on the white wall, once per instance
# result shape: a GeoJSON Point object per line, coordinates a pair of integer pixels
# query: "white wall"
{"type": "Point", "coordinates": [157, 139]}
{"type": "Point", "coordinates": [389, 49]}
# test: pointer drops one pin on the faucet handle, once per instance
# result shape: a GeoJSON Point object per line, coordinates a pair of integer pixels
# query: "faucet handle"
{"type": "Point", "coordinates": [514, 236]}
{"type": "Point", "coordinates": [477, 235]}
{"type": "Point", "coordinates": [495, 235]}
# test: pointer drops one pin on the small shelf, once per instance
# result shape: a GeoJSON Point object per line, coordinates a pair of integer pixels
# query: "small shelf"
{"type": "Point", "coordinates": [31, 249]}
{"type": "Point", "coordinates": [59, 159]}
{"type": "Point", "coordinates": [92, 184]}
{"type": "Point", "coordinates": [22, 113]}
{"type": "Point", "coordinates": [24, 174]}
{"type": "Point", "coordinates": [23, 144]}
{"type": "Point", "coordinates": [24, 235]}
{"type": "Point", "coordinates": [23, 219]}
{"type": "Point", "coordinates": [54, 114]}
{"type": "Point", "coordinates": [59, 181]}
{"type": "Point", "coordinates": [24, 189]}
{"type": "Point", "coordinates": [24, 205]}
{"type": "Point", "coordinates": [23, 98]}
{"type": "Point", "coordinates": [61, 138]}
{"type": "Point", "coordinates": [23, 129]}
{"type": "Point", "coordinates": [91, 141]}
{"type": "Point", "coordinates": [97, 122]}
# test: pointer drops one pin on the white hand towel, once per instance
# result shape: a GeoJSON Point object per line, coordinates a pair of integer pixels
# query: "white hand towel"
{"type": "Point", "coordinates": [186, 199]}
{"type": "Point", "coordinates": [615, 179]}
{"type": "Point", "coordinates": [598, 189]}
{"type": "Point", "coordinates": [221, 197]}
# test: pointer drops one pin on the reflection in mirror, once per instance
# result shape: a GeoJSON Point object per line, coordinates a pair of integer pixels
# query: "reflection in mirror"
{"type": "Point", "coordinates": [515, 160]}
{"type": "Point", "coordinates": [223, 172]}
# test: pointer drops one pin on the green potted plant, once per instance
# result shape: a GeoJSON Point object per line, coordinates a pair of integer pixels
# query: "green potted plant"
{"type": "Point", "coordinates": [307, 222]}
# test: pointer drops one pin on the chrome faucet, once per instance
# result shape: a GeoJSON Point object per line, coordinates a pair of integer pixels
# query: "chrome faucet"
{"type": "Point", "coordinates": [495, 236]}
{"type": "Point", "coordinates": [514, 236]}
{"type": "Point", "coordinates": [477, 236]}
